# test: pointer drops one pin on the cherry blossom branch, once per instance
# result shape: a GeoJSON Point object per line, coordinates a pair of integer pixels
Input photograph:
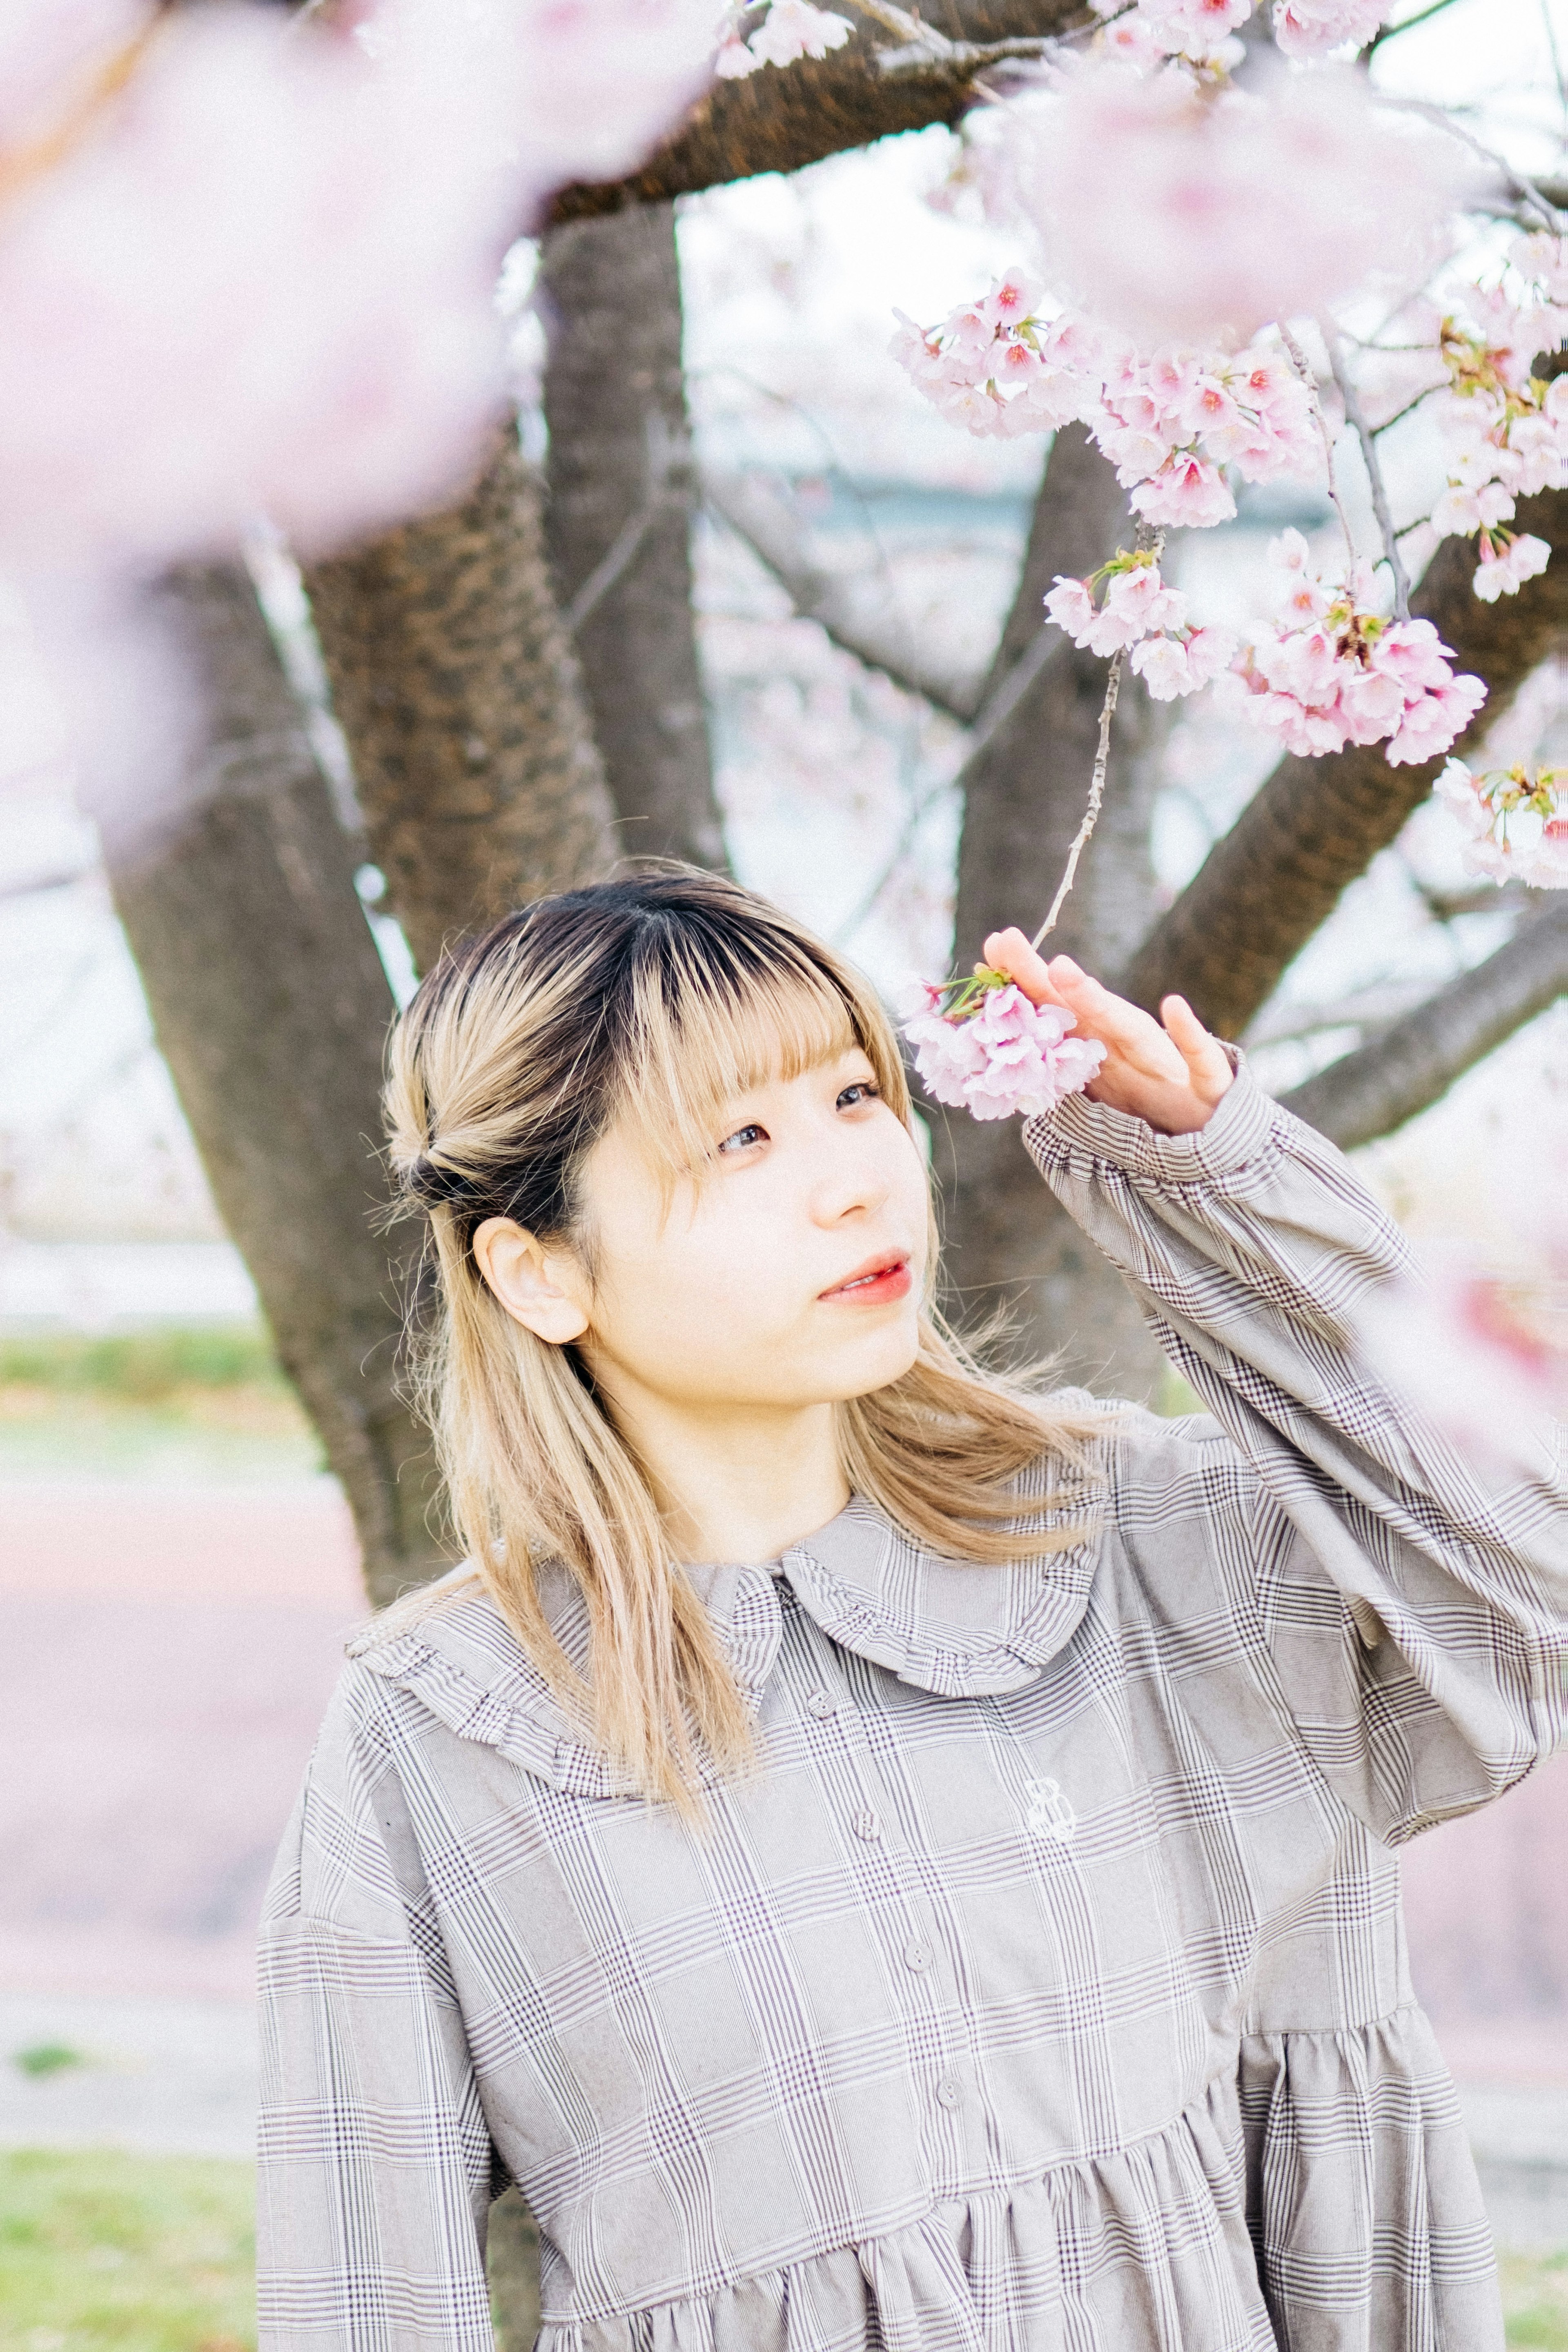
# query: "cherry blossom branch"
{"type": "Point", "coordinates": [1410, 406]}
{"type": "Point", "coordinates": [1355, 418]}
{"type": "Point", "coordinates": [924, 45]}
{"type": "Point", "coordinates": [1096, 796]}
{"type": "Point", "coordinates": [1299, 362]}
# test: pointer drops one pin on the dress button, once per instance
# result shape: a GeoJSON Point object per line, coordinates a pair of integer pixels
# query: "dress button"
{"type": "Point", "coordinates": [917, 1955]}
{"type": "Point", "coordinates": [867, 1825]}
{"type": "Point", "coordinates": [820, 1703]}
{"type": "Point", "coordinates": [948, 2094]}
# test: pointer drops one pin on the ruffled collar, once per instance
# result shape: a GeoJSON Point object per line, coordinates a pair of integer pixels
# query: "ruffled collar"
{"type": "Point", "coordinates": [957, 1629]}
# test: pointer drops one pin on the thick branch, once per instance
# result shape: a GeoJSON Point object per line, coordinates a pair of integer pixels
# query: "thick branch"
{"type": "Point", "coordinates": [271, 1008]}
{"type": "Point", "coordinates": [779, 119]}
{"type": "Point", "coordinates": [456, 685]}
{"type": "Point", "coordinates": [1417, 1058]}
{"type": "Point", "coordinates": [1315, 824]}
{"type": "Point", "coordinates": [756, 513]}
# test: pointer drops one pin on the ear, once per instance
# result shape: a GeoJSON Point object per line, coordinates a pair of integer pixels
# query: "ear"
{"type": "Point", "coordinates": [538, 1290]}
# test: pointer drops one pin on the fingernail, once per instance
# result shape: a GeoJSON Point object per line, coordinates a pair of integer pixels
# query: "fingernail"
{"type": "Point", "coordinates": [1065, 964]}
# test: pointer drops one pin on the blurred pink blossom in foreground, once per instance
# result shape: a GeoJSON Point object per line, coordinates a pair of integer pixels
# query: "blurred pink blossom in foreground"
{"type": "Point", "coordinates": [257, 277]}
{"type": "Point", "coordinates": [982, 1047]}
{"type": "Point", "coordinates": [1222, 211]}
{"type": "Point", "coordinates": [1484, 1352]}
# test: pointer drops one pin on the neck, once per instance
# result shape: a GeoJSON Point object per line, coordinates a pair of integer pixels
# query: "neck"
{"type": "Point", "coordinates": [735, 1485]}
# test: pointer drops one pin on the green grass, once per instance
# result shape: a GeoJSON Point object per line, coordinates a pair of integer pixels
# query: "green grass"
{"type": "Point", "coordinates": [198, 1402]}
{"type": "Point", "coordinates": [144, 1367]}
{"type": "Point", "coordinates": [106, 2253]}
{"type": "Point", "coordinates": [1535, 2300]}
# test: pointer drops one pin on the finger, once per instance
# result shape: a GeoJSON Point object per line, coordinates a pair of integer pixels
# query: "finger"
{"type": "Point", "coordinates": [1102, 1014]}
{"type": "Point", "coordinates": [1204, 1056]}
{"type": "Point", "coordinates": [1011, 952]}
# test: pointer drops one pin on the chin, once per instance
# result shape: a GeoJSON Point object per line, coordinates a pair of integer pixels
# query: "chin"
{"type": "Point", "coordinates": [877, 1364]}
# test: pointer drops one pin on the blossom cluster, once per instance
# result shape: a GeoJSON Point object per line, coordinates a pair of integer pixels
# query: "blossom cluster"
{"type": "Point", "coordinates": [1139, 615]}
{"type": "Point", "coordinates": [1506, 427]}
{"type": "Point", "coordinates": [982, 1047]}
{"type": "Point", "coordinates": [1169, 424]}
{"type": "Point", "coordinates": [790, 30]}
{"type": "Point", "coordinates": [1332, 672]}
{"type": "Point", "coordinates": [1514, 822]}
{"type": "Point", "coordinates": [1202, 32]}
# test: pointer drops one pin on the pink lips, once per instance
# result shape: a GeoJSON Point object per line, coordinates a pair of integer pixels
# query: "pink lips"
{"type": "Point", "coordinates": [880, 1280]}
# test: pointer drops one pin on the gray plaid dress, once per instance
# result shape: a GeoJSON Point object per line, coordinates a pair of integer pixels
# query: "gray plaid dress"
{"type": "Point", "coordinates": [1045, 1990]}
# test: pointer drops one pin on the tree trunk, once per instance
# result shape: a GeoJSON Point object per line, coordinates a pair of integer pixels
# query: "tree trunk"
{"type": "Point", "coordinates": [271, 1008]}
{"type": "Point", "coordinates": [1316, 825]}
{"type": "Point", "coordinates": [455, 684]}
{"type": "Point", "coordinates": [622, 492]}
{"type": "Point", "coordinates": [1006, 1241]}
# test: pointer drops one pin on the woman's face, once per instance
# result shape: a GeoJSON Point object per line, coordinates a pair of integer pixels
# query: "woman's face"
{"type": "Point", "coordinates": [791, 1275]}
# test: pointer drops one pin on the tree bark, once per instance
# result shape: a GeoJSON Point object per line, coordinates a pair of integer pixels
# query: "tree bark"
{"type": "Point", "coordinates": [455, 682]}
{"type": "Point", "coordinates": [622, 490]}
{"type": "Point", "coordinates": [1316, 825]}
{"type": "Point", "coordinates": [271, 1008]}
{"type": "Point", "coordinates": [1416, 1058]}
{"type": "Point", "coordinates": [779, 120]}
{"type": "Point", "coordinates": [1006, 1242]}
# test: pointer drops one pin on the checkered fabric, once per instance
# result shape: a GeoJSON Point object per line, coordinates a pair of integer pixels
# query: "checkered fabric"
{"type": "Point", "coordinates": [1044, 1989]}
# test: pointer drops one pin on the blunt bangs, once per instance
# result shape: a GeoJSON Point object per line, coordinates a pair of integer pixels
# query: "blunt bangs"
{"type": "Point", "coordinates": [714, 1011]}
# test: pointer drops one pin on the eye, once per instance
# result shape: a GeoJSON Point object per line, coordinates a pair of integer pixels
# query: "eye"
{"type": "Point", "coordinates": [743, 1138]}
{"type": "Point", "coordinates": [862, 1090]}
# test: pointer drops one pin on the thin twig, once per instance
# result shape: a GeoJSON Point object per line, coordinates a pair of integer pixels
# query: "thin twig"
{"type": "Point", "coordinates": [1298, 360]}
{"type": "Point", "coordinates": [1514, 178]}
{"type": "Point", "coordinates": [1096, 795]}
{"type": "Point", "coordinates": [1410, 406]}
{"type": "Point", "coordinates": [1380, 506]}
{"type": "Point", "coordinates": [1405, 23]}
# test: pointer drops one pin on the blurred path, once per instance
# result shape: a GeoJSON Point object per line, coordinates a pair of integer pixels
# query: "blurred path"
{"type": "Point", "coordinates": [165, 1655]}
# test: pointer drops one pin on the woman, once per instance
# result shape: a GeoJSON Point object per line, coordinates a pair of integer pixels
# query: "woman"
{"type": "Point", "coordinates": [956, 1906]}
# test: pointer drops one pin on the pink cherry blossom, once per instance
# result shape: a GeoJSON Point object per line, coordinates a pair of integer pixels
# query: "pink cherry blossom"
{"type": "Point", "coordinates": [1506, 562]}
{"type": "Point", "coordinates": [1142, 613]}
{"type": "Point", "coordinates": [1311, 28]}
{"type": "Point", "coordinates": [792, 29]}
{"type": "Point", "coordinates": [1006, 1055]}
{"type": "Point", "coordinates": [1332, 672]}
{"type": "Point", "coordinates": [1186, 489]}
{"type": "Point", "coordinates": [1514, 822]}
{"type": "Point", "coordinates": [1433, 722]}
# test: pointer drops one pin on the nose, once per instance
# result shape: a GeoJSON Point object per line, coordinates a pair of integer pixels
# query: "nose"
{"type": "Point", "coordinates": [851, 1181]}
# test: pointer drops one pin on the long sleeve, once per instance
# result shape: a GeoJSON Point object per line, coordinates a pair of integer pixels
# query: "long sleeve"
{"type": "Point", "coordinates": [1415, 1623]}
{"type": "Point", "coordinates": [374, 2157]}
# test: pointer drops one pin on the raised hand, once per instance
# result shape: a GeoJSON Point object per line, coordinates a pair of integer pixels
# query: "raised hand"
{"type": "Point", "coordinates": [1172, 1076]}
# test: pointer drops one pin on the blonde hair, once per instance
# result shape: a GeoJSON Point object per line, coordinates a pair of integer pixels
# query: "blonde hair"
{"type": "Point", "coordinates": [650, 1000]}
